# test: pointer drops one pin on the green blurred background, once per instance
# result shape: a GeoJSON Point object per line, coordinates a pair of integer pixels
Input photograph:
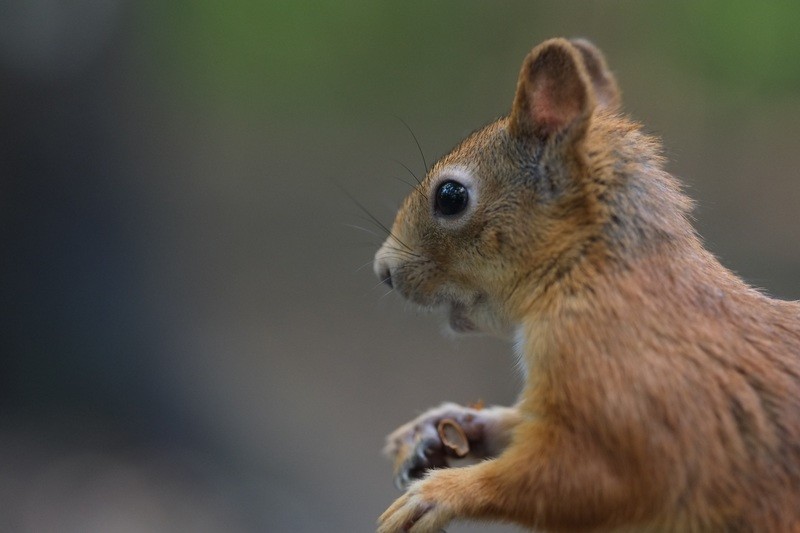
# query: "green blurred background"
{"type": "Point", "coordinates": [192, 337]}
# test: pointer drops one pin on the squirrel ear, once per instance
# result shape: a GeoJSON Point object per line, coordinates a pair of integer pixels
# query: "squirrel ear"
{"type": "Point", "coordinates": [554, 93]}
{"type": "Point", "coordinates": [603, 81]}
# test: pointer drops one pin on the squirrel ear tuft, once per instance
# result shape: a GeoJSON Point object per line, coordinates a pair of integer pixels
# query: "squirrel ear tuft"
{"type": "Point", "coordinates": [554, 92]}
{"type": "Point", "coordinates": [605, 84]}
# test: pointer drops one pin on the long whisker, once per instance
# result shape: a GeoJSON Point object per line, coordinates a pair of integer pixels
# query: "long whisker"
{"type": "Point", "coordinates": [407, 250]}
{"type": "Point", "coordinates": [363, 229]}
{"type": "Point", "coordinates": [417, 188]}
{"type": "Point", "coordinates": [375, 223]}
{"type": "Point", "coordinates": [370, 215]}
{"type": "Point", "coordinates": [397, 252]}
{"type": "Point", "coordinates": [397, 258]}
{"type": "Point", "coordinates": [425, 164]}
{"type": "Point", "coordinates": [371, 261]}
{"type": "Point", "coordinates": [408, 170]}
{"type": "Point", "coordinates": [387, 293]}
{"type": "Point", "coordinates": [381, 282]}
{"type": "Point", "coordinates": [402, 252]}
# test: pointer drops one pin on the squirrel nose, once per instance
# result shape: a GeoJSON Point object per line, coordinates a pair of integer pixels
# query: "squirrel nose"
{"type": "Point", "coordinates": [385, 275]}
{"type": "Point", "coordinates": [381, 268]}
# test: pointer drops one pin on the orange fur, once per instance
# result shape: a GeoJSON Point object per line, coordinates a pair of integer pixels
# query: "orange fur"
{"type": "Point", "coordinates": [663, 393]}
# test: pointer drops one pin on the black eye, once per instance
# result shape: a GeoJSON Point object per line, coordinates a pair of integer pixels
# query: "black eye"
{"type": "Point", "coordinates": [451, 198]}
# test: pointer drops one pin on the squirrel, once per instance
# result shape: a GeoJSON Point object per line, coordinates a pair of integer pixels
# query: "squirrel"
{"type": "Point", "coordinates": [661, 393]}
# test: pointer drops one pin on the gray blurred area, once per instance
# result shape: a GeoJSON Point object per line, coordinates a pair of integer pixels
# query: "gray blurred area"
{"type": "Point", "coordinates": [191, 336]}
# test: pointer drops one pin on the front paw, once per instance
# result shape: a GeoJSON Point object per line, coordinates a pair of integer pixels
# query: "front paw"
{"type": "Point", "coordinates": [417, 447]}
{"type": "Point", "coordinates": [417, 511]}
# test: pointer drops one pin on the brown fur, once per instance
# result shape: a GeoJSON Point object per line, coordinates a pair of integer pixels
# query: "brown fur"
{"type": "Point", "coordinates": [663, 393]}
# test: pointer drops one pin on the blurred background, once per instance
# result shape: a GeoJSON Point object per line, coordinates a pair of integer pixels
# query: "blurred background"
{"type": "Point", "coordinates": [191, 335]}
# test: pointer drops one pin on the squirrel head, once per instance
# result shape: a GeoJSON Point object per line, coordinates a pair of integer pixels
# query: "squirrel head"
{"type": "Point", "coordinates": [522, 205]}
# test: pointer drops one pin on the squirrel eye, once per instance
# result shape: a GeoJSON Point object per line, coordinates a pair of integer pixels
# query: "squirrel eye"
{"type": "Point", "coordinates": [451, 198]}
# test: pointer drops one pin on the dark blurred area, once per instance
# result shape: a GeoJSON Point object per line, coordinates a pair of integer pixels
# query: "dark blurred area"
{"type": "Point", "coordinates": [192, 338]}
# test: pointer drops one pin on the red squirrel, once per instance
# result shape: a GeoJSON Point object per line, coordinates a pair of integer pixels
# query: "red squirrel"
{"type": "Point", "coordinates": [662, 393]}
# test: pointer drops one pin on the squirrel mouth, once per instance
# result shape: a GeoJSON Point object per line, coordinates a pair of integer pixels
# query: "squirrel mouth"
{"type": "Point", "coordinates": [459, 319]}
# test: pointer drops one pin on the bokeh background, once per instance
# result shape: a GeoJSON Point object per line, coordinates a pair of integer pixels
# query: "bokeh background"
{"type": "Point", "coordinates": [191, 336]}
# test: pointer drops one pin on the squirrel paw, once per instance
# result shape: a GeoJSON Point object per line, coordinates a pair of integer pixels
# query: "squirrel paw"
{"type": "Point", "coordinates": [415, 512]}
{"type": "Point", "coordinates": [417, 447]}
